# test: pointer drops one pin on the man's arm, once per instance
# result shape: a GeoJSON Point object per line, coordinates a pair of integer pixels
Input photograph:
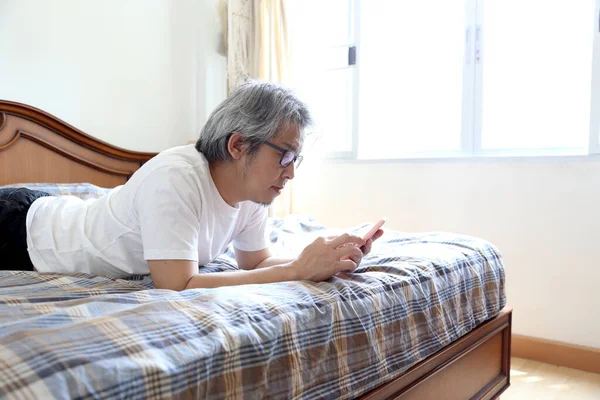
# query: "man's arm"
{"type": "Point", "coordinates": [319, 261]}
{"type": "Point", "coordinates": [182, 274]}
{"type": "Point", "coordinates": [258, 259]}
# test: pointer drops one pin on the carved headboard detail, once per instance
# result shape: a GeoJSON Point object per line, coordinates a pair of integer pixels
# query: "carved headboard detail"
{"type": "Point", "coordinates": [38, 147]}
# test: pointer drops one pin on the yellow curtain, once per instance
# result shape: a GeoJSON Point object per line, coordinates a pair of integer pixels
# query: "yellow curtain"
{"type": "Point", "coordinates": [272, 42]}
{"type": "Point", "coordinates": [258, 46]}
{"type": "Point", "coordinates": [272, 63]}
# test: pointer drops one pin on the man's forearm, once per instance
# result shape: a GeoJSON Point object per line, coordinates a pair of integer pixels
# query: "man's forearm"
{"type": "Point", "coordinates": [272, 261]}
{"type": "Point", "coordinates": [270, 274]}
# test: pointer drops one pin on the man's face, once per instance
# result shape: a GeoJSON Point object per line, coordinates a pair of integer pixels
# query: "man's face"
{"type": "Point", "coordinates": [264, 175]}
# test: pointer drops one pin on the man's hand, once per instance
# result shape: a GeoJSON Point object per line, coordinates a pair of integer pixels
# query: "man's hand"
{"type": "Point", "coordinates": [322, 259]}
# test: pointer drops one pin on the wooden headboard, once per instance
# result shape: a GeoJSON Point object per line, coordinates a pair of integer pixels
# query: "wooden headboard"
{"type": "Point", "coordinates": [38, 147]}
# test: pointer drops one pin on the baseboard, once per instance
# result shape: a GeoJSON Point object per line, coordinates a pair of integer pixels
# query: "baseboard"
{"type": "Point", "coordinates": [557, 353]}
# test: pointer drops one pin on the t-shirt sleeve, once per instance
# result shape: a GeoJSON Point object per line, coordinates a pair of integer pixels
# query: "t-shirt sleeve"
{"type": "Point", "coordinates": [168, 203]}
{"type": "Point", "coordinates": [254, 236]}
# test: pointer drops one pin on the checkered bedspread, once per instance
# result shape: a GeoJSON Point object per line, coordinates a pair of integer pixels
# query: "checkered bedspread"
{"type": "Point", "coordinates": [83, 336]}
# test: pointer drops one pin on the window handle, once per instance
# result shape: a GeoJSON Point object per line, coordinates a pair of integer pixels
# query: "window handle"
{"type": "Point", "coordinates": [352, 55]}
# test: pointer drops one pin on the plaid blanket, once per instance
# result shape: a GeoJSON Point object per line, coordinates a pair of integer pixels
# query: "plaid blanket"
{"type": "Point", "coordinates": [83, 336]}
{"type": "Point", "coordinates": [82, 190]}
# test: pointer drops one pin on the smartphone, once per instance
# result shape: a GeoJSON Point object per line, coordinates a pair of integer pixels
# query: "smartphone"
{"type": "Point", "coordinates": [374, 229]}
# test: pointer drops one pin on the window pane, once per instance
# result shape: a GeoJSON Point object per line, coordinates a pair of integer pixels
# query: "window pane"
{"type": "Point", "coordinates": [335, 17]}
{"type": "Point", "coordinates": [329, 99]}
{"type": "Point", "coordinates": [537, 66]}
{"type": "Point", "coordinates": [333, 110]}
{"type": "Point", "coordinates": [320, 73]}
{"type": "Point", "coordinates": [321, 23]}
{"type": "Point", "coordinates": [411, 76]}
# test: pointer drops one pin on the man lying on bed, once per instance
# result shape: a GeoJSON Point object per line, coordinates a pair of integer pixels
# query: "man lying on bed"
{"type": "Point", "coordinates": [183, 208]}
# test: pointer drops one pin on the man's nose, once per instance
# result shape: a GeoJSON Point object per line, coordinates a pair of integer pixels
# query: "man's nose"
{"type": "Point", "coordinates": [289, 172]}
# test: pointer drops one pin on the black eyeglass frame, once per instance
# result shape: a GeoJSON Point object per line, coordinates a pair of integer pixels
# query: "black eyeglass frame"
{"type": "Point", "coordinates": [297, 157]}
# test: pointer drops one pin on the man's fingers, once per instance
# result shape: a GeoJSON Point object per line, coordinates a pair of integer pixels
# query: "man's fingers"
{"type": "Point", "coordinates": [377, 234]}
{"type": "Point", "coordinates": [345, 266]}
{"type": "Point", "coordinates": [366, 249]}
{"type": "Point", "coordinates": [346, 238]}
{"type": "Point", "coordinates": [348, 252]}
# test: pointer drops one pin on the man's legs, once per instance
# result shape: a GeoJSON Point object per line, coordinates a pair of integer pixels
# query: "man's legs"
{"type": "Point", "coordinates": [14, 204]}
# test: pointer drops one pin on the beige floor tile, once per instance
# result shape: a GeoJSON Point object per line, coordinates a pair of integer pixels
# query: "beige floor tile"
{"type": "Point", "coordinates": [532, 380]}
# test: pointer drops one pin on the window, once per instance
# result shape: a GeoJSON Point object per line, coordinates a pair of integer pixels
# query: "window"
{"type": "Point", "coordinates": [323, 33]}
{"type": "Point", "coordinates": [450, 77]}
{"type": "Point", "coordinates": [537, 74]}
{"type": "Point", "coordinates": [411, 79]}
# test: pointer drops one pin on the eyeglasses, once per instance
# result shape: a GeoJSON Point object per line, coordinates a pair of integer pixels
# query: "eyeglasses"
{"type": "Point", "coordinates": [287, 156]}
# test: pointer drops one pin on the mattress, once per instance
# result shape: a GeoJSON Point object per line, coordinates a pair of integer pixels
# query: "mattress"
{"type": "Point", "coordinates": [83, 336]}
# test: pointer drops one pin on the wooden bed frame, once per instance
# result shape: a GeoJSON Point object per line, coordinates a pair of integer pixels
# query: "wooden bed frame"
{"type": "Point", "coordinates": [37, 147]}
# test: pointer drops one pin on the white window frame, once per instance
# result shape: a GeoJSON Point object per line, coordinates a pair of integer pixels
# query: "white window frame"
{"type": "Point", "coordinates": [594, 145]}
{"type": "Point", "coordinates": [471, 132]}
{"type": "Point", "coordinates": [353, 27]}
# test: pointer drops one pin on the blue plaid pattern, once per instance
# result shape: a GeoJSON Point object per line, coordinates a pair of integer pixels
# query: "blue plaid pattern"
{"type": "Point", "coordinates": [81, 190]}
{"type": "Point", "coordinates": [88, 337]}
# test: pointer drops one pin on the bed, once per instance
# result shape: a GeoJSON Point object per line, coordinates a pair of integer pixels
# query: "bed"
{"type": "Point", "coordinates": [424, 316]}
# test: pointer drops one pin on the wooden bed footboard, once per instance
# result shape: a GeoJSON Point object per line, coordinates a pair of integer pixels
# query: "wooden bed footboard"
{"type": "Point", "coordinates": [476, 366]}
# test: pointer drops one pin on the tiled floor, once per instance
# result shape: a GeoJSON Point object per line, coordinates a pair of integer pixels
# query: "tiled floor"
{"type": "Point", "coordinates": [532, 380]}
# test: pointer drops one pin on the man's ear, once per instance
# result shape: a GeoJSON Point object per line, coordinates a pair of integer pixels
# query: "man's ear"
{"type": "Point", "coordinates": [236, 145]}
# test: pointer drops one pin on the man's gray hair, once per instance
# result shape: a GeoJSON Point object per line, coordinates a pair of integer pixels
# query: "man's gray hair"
{"type": "Point", "coordinates": [259, 111]}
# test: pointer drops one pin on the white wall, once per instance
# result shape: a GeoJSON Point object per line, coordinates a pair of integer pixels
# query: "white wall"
{"type": "Point", "coordinates": [124, 71]}
{"type": "Point", "coordinates": [211, 80]}
{"type": "Point", "coordinates": [543, 214]}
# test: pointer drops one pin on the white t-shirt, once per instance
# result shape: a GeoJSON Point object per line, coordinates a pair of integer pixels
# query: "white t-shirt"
{"type": "Point", "coordinates": [170, 209]}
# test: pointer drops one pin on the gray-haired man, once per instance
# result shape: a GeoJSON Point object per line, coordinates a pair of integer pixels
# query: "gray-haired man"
{"type": "Point", "coordinates": [185, 206]}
